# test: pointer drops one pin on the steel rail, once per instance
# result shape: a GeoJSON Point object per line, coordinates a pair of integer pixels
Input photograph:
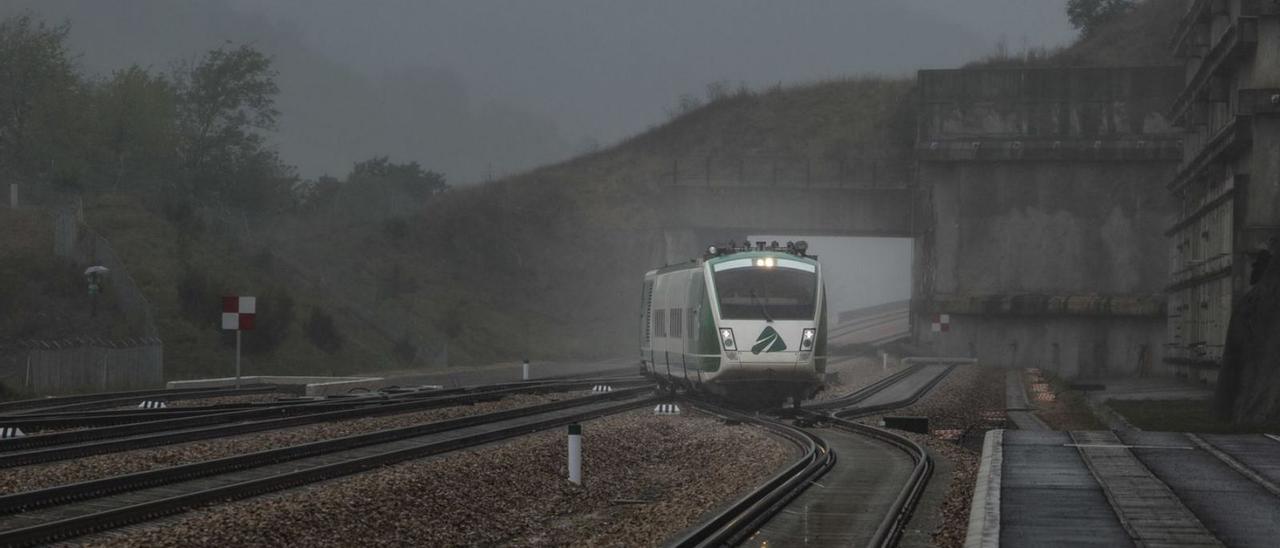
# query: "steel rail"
{"type": "Point", "coordinates": [861, 411]}
{"type": "Point", "coordinates": [34, 422]}
{"type": "Point", "coordinates": [80, 443]}
{"type": "Point", "coordinates": [735, 522]}
{"type": "Point", "coordinates": [101, 402]}
{"type": "Point", "coordinates": [6, 407]}
{"type": "Point", "coordinates": [787, 485]}
{"type": "Point", "coordinates": [865, 392]}
{"type": "Point", "coordinates": [99, 520]}
{"type": "Point", "coordinates": [891, 526]}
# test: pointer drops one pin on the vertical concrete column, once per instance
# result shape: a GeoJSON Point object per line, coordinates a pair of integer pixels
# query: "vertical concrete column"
{"type": "Point", "coordinates": [13, 195]}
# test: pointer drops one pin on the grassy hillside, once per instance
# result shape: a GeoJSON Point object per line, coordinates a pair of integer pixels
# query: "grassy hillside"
{"type": "Point", "coordinates": [544, 265]}
{"type": "Point", "coordinates": [184, 268]}
{"type": "Point", "coordinates": [1140, 37]}
{"type": "Point", "coordinates": [43, 296]}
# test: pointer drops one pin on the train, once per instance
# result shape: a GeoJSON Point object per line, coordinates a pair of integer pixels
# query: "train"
{"type": "Point", "coordinates": [747, 324]}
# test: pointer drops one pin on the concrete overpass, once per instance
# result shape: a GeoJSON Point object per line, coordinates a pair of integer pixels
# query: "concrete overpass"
{"type": "Point", "coordinates": [1035, 196]}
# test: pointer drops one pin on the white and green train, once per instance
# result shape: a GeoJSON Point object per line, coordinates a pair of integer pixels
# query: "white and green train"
{"type": "Point", "coordinates": [748, 324]}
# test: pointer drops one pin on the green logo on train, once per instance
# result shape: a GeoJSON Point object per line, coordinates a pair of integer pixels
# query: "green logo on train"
{"type": "Point", "coordinates": [768, 341]}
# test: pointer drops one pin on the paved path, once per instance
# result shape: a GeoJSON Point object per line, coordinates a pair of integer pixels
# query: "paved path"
{"type": "Point", "coordinates": [1020, 411]}
{"type": "Point", "coordinates": [1128, 489]}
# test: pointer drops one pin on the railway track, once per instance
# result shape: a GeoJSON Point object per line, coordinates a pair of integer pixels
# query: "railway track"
{"type": "Point", "coordinates": [95, 441]}
{"type": "Point", "coordinates": [59, 513]}
{"type": "Point", "coordinates": [849, 506]}
{"type": "Point", "coordinates": [735, 523]}
{"type": "Point", "coordinates": [117, 399]}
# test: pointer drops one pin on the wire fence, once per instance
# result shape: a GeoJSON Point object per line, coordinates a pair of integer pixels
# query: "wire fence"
{"type": "Point", "coordinates": [82, 365]}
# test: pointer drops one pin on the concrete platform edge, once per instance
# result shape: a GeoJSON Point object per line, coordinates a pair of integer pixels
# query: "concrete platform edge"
{"type": "Point", "coordinates": [984, 511]}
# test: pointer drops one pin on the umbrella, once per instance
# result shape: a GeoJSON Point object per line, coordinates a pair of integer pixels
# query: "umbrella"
{"type": "Point", "coordinates": [96, 270]}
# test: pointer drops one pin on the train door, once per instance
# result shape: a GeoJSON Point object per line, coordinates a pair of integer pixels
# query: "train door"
{"type": "Point", "coordinates": [693, 316]}
{"type": "Point", "coordinates": [646, 325]}
{"type": "Point", "coordinates": [673, 293]}
{"type": "Point", "coordinates": [661, 350]}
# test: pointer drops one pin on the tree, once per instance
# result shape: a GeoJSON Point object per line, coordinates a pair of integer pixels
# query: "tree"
{"type": "Point", "coordinates": [322, 331]}
{"type": "Point", "coordinates": [136, 113]}
{"type": "Point", "coordinates": [41, 107]}
{"type": "Point", "coordinates": [409, 177]}
{"type": "Point", "coordinates": [225, 100]}
{"type": "Point", "coordinates": [1090, 15]}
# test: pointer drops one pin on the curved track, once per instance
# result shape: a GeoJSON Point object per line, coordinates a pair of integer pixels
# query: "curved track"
{"type": "Point", "coordinates": [734, 523]}
{"type": "Point", "coordinates": [854, 484]}
{"type": "Point", "coordinates": [58, 513]}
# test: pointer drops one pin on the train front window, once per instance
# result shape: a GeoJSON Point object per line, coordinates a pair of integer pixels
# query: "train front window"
{"type": "Point", "coordinates": [766, 293]}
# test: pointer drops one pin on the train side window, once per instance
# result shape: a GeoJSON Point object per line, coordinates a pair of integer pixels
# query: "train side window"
{"type": "Point", "coordinates": [676, 317]}
{"type": "Point", "coordinates": [659, 323]}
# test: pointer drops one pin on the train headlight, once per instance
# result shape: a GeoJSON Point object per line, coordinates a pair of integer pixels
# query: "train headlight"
{"type": "Point", "coordinates": [806, 340]}
{"type": "Point", "coordinates": [726, 339]}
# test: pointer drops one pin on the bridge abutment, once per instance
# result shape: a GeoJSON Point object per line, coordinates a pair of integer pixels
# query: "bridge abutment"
{"type": "Point", "coordinates": [1046, 203]}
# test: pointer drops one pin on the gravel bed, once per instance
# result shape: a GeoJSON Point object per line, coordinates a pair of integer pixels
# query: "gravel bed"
{"type": "Point", "coordinates": [855, 373]}
{"type": "Point", "coordinates": [226, 400]}
{"type": "Point", "coordinates": [646, 478]}
{"type": "Point", "coordinates": [1066, 410]}
{"type": "Point", "coordinates": [953, 514]}
{"type": "Point", "coordinates": [27, 478]}
{"type": "Point", "coordinates": [970, 399]}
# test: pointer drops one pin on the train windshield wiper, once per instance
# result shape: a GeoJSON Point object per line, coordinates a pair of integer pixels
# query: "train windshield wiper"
{"type": "Point", "coordinates": [763, 309]}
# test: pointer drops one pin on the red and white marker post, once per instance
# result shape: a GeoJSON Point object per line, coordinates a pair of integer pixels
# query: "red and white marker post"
{"type": "Point", "coordinates": [237, 315]}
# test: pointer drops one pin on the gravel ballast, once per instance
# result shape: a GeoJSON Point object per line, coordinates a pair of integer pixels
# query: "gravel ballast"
{"type": "Point", "coordinates": [40, 476]}
{"type": "Point", "coordinates": [646, 478]}
{"type": "Point", "coordinates": [966, 399]}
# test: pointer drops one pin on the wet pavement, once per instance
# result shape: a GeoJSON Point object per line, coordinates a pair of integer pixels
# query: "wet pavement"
{"type": "Point", "coordinates": [1132, 488]}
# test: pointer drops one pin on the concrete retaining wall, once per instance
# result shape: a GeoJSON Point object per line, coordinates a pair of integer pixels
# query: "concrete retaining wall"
{"type": "Point", "coordinates": [1046, 186]}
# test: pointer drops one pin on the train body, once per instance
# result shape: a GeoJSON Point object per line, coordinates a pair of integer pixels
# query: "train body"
{"type": "Point", "coordinates": [746, 324]}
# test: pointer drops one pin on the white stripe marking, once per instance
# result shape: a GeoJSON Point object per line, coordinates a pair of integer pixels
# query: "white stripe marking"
{"type": "Point", "coordinates": [1121, 446]}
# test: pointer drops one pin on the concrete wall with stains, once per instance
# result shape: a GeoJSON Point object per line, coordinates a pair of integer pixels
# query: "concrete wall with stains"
{"type": "Point", "coordinates": [1046, 185]}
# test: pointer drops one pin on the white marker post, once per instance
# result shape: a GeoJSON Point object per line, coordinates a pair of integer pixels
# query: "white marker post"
{"type": "Point", "coordinates": [525, 374]}
{"type": "Point", "coordinates": [884, 360]}
{"type": "Point", "coordinates": [575, 454]}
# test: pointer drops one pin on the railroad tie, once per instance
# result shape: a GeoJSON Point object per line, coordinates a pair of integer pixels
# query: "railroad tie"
{"type": "Point", "coordinates": [1146, 507]}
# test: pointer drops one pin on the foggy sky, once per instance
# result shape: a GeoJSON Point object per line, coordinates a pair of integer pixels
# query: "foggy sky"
{"type": "Point", "coordinates": [484, 86]}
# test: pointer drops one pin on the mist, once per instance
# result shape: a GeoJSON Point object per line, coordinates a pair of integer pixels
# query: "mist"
{"type": "Point", "coordinates": [859, 272]}
{"type": "Point", "coordinates": [480, 90]}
